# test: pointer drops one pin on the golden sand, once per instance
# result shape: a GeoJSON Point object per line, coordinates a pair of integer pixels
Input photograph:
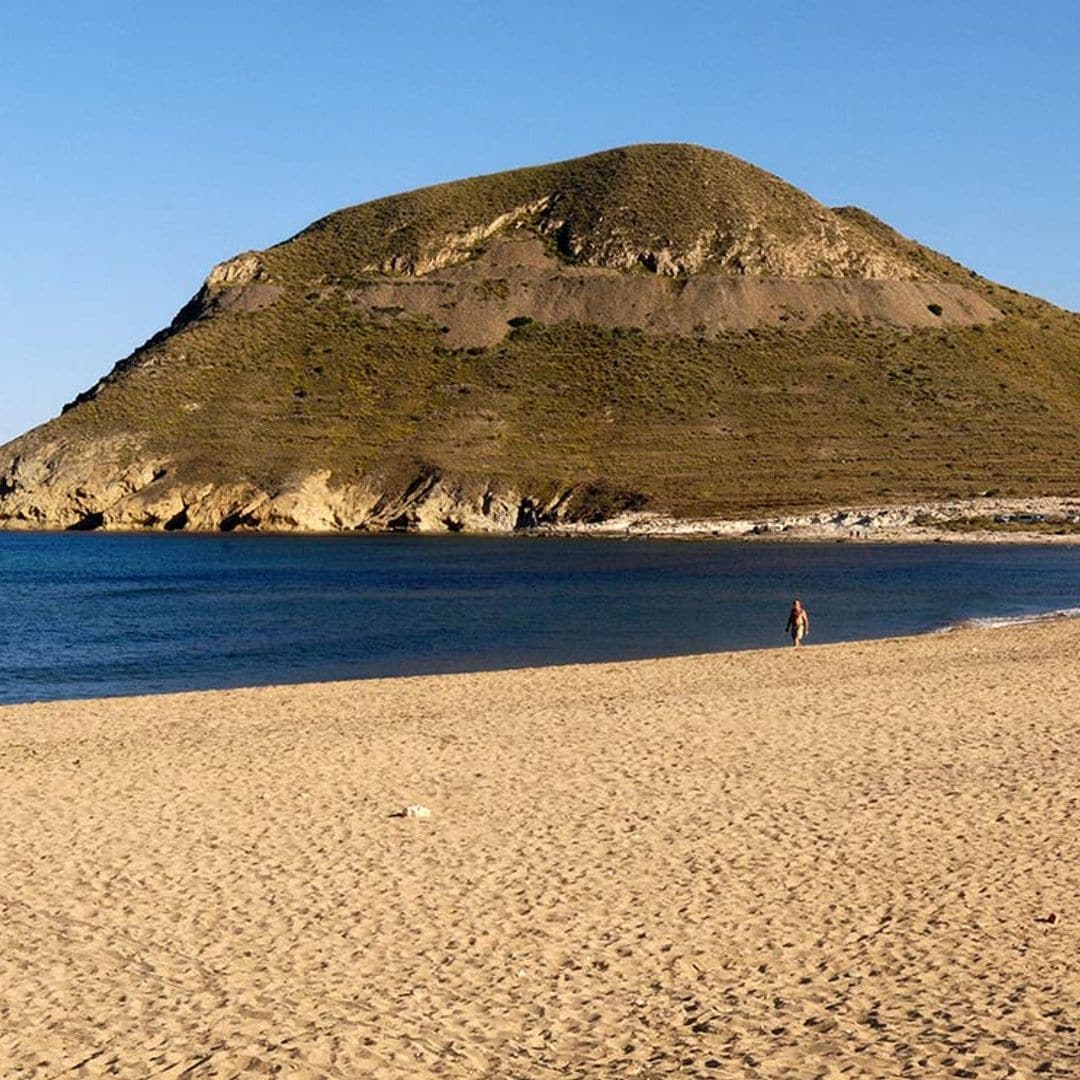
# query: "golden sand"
{"type": "Point", "coordinates": [861, 860]}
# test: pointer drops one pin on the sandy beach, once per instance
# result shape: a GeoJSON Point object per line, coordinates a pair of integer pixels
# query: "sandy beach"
{"type": "Point", "coordinates": [859, 860]}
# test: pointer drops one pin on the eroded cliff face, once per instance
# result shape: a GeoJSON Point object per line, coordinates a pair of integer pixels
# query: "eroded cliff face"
{"type": "Point", "coordinates": [516, 278]}
{"type": "Point", "coordinates": [112, 485]}
{"type": "Point", "coordinates": [119, 491]}
{"type": "Point", "coordinates": [829, 247]}
{"type": "Point", "coordinates": [62, 484]}
{"type": "Point", "coordinates": [477, 292]}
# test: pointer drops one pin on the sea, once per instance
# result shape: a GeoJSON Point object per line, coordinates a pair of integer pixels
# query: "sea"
{"type": "Point", "coordinates": [93, 614]}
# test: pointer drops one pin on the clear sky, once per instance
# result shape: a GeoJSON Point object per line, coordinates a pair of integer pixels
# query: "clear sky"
{"type": "Point", "coordinates": [142, 142]}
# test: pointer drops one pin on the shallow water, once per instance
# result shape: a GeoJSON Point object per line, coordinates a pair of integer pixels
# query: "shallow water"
{"type": "Point", "coordinates": [87, 615]}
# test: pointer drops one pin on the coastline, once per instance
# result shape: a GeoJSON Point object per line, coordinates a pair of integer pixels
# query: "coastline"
{"type": "Point", "coordinates": [860, 856]}
{"type": "Point", "coordinates": [984, 520]}
{"type": "Point", "coordinates": [981, 520]}
{"type": "Point", "coordinates": [975, 623]}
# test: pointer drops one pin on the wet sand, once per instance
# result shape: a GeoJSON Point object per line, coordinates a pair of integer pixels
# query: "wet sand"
{"type": "Point", "coordinates": [860, 860]}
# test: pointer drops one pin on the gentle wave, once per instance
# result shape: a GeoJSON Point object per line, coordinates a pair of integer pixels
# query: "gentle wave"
{"type": "Point", "coordinates": [995, 622]}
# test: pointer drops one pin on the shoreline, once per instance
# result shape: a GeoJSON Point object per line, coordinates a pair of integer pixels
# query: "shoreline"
{"type": "Point", "coordinates": [978, 624]}
{"type": "Point", "coordinates": [861, 857]}
{"type": "Point", "coordinates": [981, 520]}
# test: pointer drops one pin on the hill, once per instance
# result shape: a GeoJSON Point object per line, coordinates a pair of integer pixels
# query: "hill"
{"type": "Point", "coordinates": [658, 327]}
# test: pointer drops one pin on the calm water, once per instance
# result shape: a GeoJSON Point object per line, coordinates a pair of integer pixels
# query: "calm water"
{"type": "Point", "coordinates": [94, 614]}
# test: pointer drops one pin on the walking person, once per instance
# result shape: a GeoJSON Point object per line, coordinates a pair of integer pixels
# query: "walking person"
{"type": "Point", "coordinates": [798, 623]}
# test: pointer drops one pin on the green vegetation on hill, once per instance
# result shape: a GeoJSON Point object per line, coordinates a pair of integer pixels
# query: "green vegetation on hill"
{"type": "Point", "coordinates": [784, 416]}
{"type": "Point", "coordinates": [934, 266]}
{"type": "Point", "coordinates": [616, 208]}
{"type": "Point", "coordinates": [769, 418]}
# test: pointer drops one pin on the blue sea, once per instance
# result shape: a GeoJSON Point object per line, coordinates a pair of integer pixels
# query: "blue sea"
{"type": "Point", "coordinates": [88, 615]}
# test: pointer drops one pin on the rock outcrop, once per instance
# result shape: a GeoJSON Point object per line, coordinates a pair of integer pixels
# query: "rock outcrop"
{"type": "Point", "coordinates": [112, 488]}
{"type": "Point", "coordinates": [516, 279]}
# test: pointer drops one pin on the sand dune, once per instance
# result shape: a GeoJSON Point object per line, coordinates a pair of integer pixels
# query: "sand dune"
{"type": "Point", "coordinates": [861, 860]}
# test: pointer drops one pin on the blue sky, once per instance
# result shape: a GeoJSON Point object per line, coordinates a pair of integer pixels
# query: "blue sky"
{"type": "Point", "coordinates": [143, 142]}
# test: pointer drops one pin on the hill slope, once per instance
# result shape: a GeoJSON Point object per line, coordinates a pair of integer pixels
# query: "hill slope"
{"type": "Point", "coordinates": [658, 326]}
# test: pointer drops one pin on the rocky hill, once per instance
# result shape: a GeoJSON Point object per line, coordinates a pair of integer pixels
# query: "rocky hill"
{"type": "Point", "coordinates": [660, 327]}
